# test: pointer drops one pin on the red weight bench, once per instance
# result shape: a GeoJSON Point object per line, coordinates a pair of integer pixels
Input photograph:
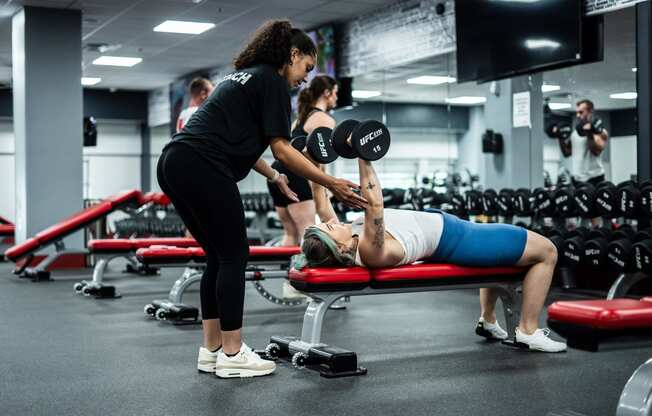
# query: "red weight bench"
{"type": "Point", "coordinates": [326, 285]}
{"type": "Point", "coordinates": [264, 263]}
{"type": "Point", "coordinates": [7, 231]}
{"type": "Point", "coordinates": [54, 235]}
{"type": "Point", "coordinates": [587, 323]}
{"type": "Point", "coordinates": [106, 250]}
{"type": "Point", "coordinates": [155, 198]}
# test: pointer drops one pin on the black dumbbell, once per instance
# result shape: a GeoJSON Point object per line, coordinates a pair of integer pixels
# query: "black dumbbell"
{"type": "Point", "coordinates": [505, 202]}
{"type": "Point", "coordinates": [642, 256]}
{"type": "Point", "coordinates": [393, 196]}
{"type": "Point", "coordinates": [572, 249]}
{"type": "Point", "coordinates": [564, 202]}
{"type": "Point", "coordinates": [595, 248]}
{"type": "Point", "coordinates": [368, 140]}
{"type": "Point", "coordinates": [584, 197]}
{"type": "Point", "coordinates": [628, 199]}
{"type": "Point", "coordinates": [458, 204]}
{"type": "Point", "coordinates": [299, 142]}
{"type": "Point", "coordinates": [473, 202]}
{"type": "Point", "coordinates": [544, 203]}
{"type": "Point", "coordinates": [619, 249]}
{"type": "Point", "coordinates": [523, 202]}
{"type": "Point", "coordinates": [645, 188]}
{"type": "Point", "coordinates": [490, 202]}
{"type": "Point", "coordinates": [319, 145]}
{"type": "Point", "coordinates": [605, 199]}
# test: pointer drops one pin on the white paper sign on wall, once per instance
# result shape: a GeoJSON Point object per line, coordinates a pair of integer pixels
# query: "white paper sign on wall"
{"type": "Point", "coordinates": [521, 109]}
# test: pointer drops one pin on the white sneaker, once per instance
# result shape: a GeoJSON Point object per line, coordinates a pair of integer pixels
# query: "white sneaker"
{"type": "Point", "coordinates": [489, 330]}
{"type": "Point", "coordinates": [206, 360]}
{"type": "Point", "coordinates": [539, 341]}
{"type": "Point", "coordinates": [246, 363]}
{"type": "Point", "coordinates": [290, 292]}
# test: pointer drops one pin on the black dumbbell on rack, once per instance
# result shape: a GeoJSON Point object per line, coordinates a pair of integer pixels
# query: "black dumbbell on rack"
{"type": "Point", "coordinates": [619, 250]}
{"type": "Point", "coordinates": [490, 202]}
{"type": "Point", "coordinates": [505, 203]}
{"type": "Point", "coordinates": [473, 202]}
{"type": "Point", "coordinates": [572, 249]}
{"type": "Point", "coordinates": [595, 248]}
{"type": "Point", "coordinates": [564, 202]}
{"type": "Point", "coordinates": [544, 203]}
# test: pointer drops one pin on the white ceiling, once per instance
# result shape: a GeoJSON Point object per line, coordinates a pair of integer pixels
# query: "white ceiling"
{"type": "Point", "coordinates": [167, 56]}
{"type": "Point", "coordinates": [595, 81]}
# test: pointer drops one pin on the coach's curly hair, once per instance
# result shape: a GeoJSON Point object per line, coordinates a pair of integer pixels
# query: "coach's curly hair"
{"type": "Point", "coordinates": [271, 44]}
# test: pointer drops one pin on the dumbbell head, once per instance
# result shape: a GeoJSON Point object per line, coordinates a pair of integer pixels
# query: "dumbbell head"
{"type": "Point", "coordinates": [620, 248]}
{"type": "Point", "coordinates": [645, 189]}
{"type": "Point", "coordinates": [642, 256]}
{"type": "Point", "coordinates": [505, 202]}
{"type": "Point", "coordinates": [369, 140]}
{"type": "Point", "coordinates": [544, 204]}
{"type": "Point", "coordinates": [490, 202]}
{"type": "Point", "coordinates": [564, 202]}
{"type": "Point", "coordinates": [473, 202]}
{"type": "Point", "coordinates": [595, 248]}
{"type": "Point", "coordinates": [584, 197]}
{"type": "Point", "coordinates": [573, 247]}
{"type": "Point", "coordinates": [319, 145]}
{"type": "Point", "coordinates": [605, 199]}
{"type": "Point", "coordinates": [628, 199]}
{"type": "Point", "coordinates": [522, 202]}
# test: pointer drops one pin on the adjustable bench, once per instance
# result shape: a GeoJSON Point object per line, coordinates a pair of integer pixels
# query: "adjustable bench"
{"type": "Point", "coordinates": [54, 235]}
{"type": "Point", "coordinates": [327, 285]}
{"type": "Point", "coordinates": [264, 263]}
{"type": "Point", "coordinates": [587, 323]}
{"type": "Point", "coordinates": [106, 250]}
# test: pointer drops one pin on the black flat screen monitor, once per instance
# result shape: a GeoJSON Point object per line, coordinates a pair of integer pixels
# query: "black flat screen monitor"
{"type": "Point", "coordinates": [503, 38]}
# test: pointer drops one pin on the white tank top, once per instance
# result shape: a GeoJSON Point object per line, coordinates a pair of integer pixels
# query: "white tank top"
{"type": "Point", "coordinates": [418, 232]}
{"type": "Point", "coordinates": [184, 117]}
{"type": "Point", "coordinates": [582, 163]}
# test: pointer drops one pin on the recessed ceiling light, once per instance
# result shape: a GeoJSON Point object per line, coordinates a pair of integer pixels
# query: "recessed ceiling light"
{"type": "Point", "coordinates": [431, 80]}
{"type": "Point", "coordinates": [550, 88]}
{"type": "Point", "coordinates": [88, 81]}
{"type": "Point", "coordinates": [466, 100]}
{"type": "Point", "coordinates": [634, 69]}
{"type": "Point", "coordinates": [624, 96]}
{"type": "Point", "coordinates": [365, 94]}
{"type": "Point", "coordinates": [558, 106]}
{"type": "Point", "coordinates": [178, 26]}
{"type": "Point", "coordinates": [117, 61]}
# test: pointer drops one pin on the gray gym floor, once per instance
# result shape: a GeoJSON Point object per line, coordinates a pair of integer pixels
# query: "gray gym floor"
{"type": "Point", "coordinates": [63, 354]}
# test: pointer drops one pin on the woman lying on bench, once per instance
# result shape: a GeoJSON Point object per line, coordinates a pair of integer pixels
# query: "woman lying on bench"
{"type": "Point", "coordinates": [390, 237]}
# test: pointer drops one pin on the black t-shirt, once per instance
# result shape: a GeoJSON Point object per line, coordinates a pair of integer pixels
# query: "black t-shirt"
{"type": "Point", "coordinates": [233, 127]}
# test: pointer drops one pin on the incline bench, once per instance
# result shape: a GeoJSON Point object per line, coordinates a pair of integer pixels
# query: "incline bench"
{"type": "Point", "coordinates": [7, 230]}
{"type": "Point", "coordinates": [24, 252]}
{"type": "Point", "coordinates": [105, 250]}
{"type": "Point", "coordinates": [327, 285]}
{"type": "Point", "coordinates": [264, 263]}
{"type": "Point", "coordinates": [587, 323]}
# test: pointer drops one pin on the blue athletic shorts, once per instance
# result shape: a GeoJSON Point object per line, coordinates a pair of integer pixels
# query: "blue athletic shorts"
{"type": "Point", "coordinates": [467, 243]}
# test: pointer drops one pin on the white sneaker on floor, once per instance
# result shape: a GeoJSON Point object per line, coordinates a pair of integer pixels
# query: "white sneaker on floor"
{"type": "Point", "coordinates": [489, 330]}
{"type": "Point", "coordinates": [206, 360]}
{"type": "Point", "coordinates": [539, 341]}
{"type": "Point", "coordinates": [246, 363]}
{"type": "Point", "coordinates": [290, 292]}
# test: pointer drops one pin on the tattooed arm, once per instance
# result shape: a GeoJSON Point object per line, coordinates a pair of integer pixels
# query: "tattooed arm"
{"type": "Point", "coordinates": [373, 250]}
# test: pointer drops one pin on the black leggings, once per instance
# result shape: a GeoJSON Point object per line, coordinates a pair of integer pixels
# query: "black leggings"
{"type": "Point", "coordinates": [210, 205]}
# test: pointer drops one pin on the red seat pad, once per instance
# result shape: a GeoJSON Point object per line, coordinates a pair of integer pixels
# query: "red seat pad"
{"type": "Point", "coordinates": [74, 222]}
{"type": "Point", "coordinates": [146, 197]}
{"type": "Point", "coordinates": [646, 299]}
{"type": "Point", "coordinates": [131, 244]}
{"type": "Point", "coordinates": [160, 198]}
{"type": "Point", "coordinates": [432, 271]}
{"type": "Point", "coordinates": [602, 313]}
{"type": "Point", "coordinates": [16, 252]}
{"type": "Point", "coordinates": [330, 276]}
{"type": "Point", "coordinates": [7, 229]}
{"type": "Point", "coordinates": [164, 254]}
{"type": "Point", "coordinates": [124, 196]}
{"type": "Point", "coordinates": [274, 251]}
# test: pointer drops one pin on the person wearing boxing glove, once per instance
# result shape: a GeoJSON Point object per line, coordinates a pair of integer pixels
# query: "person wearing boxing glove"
{"type": "Point", "coordinates": [588, 141]}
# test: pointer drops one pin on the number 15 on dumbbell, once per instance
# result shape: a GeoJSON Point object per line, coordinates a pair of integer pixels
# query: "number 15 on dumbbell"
{"type": "Point", "coordinates": [368, 140]}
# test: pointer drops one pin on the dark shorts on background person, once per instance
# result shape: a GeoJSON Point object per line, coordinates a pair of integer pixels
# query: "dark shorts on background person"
{"type": "Point", "coordinates": [296, 183]}
{"type": "Point", "coordinates": [467, 243]}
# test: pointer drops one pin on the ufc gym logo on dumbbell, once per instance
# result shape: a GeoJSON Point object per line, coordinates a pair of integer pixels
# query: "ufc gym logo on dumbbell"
{"type": "Point", "coordinates": [322, 145]}
{"type": "Point", "coordinates": [369, 137]}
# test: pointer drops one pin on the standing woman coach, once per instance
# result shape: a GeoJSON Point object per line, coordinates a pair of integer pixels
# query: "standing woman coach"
{"type": "Point", "coordinates": [199, 170]}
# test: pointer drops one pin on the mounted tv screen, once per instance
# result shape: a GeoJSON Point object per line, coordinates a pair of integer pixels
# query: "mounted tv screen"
{"type": "Point", "coordinates": [503, 38]}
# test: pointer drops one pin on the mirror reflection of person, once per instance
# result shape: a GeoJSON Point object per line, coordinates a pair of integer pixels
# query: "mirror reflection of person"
{"type": "Point", "coordinates": [585, 161]}
{"type": "Point", "coordinates": [199, 89]}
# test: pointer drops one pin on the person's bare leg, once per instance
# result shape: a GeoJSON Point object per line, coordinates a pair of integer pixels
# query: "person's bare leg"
{"type": "Point", "coordinates": [488, 298]}
{"type": "Point", "coordinates": [212, 334]}
{"type": "Point", "coordinates": [541, 254]}
{"type": "Point", "coordinates": [303, 215]}
{"type": "Point", "coordinates": [289, 228]}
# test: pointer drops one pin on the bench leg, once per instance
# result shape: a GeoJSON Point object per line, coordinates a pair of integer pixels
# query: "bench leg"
{"type": "Point", "coordinates": [511, 299]}
{"type": "Point", "coordinates": [313, 318]}
{"type": "Point", "coordinates": [624, 283]}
